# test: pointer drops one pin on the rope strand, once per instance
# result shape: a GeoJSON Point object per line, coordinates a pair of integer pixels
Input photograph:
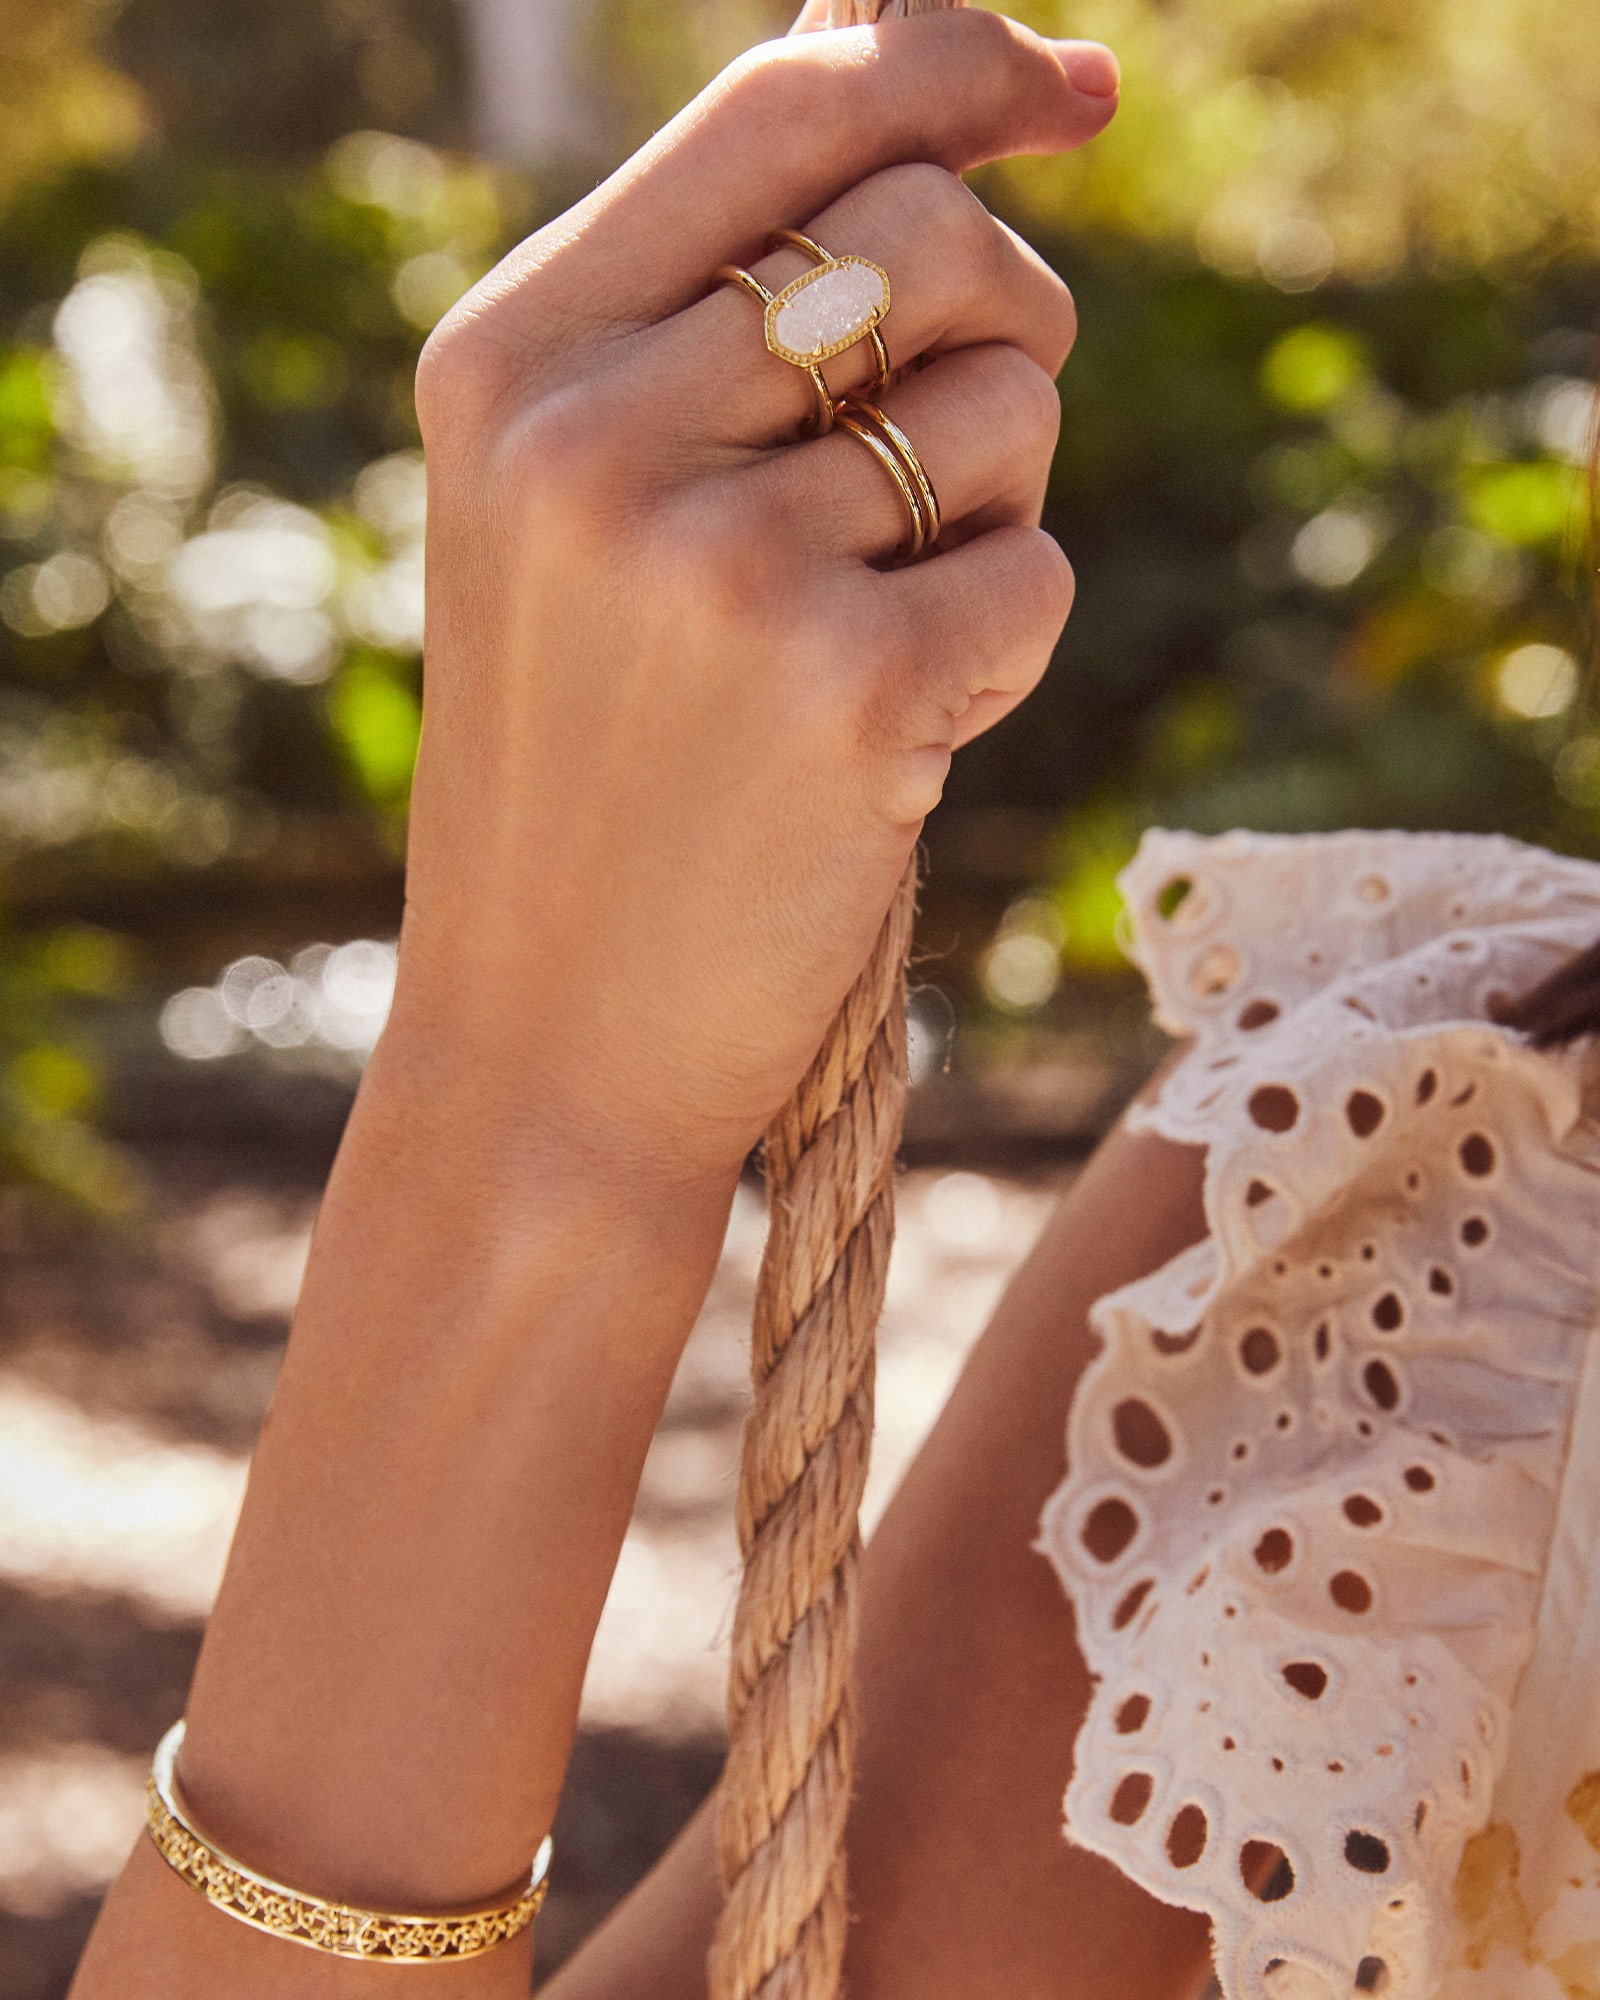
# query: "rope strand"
{"type": "Point", "coordinates": [791, 1723]}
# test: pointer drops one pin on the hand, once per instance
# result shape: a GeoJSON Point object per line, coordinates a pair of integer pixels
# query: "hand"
{"type": "Point", "coordinates": [682, 724]}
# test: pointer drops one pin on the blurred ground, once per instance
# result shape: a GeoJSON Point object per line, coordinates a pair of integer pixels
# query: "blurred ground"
{"type": "Point", "coordinates": [132, 1380]}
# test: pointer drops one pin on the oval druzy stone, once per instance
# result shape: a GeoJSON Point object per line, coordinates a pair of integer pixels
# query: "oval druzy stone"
{"type": "Point", "coordinates": [827, 310]}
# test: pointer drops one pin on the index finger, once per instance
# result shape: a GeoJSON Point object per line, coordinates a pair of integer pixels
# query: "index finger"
{"type": "Point", "coordinates": [784, 131]}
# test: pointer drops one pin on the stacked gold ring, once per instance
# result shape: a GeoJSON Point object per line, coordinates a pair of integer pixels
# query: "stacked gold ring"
{"type": "Point", "coordinates": [867, 282]}
{"type": "Point", "coordinates": [894, 451]}
{"type": "Point", "coordinates": [806, 332]}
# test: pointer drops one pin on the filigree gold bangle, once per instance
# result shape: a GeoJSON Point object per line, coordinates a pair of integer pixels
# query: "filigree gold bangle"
{"type": "Point", "coordinates": [254, 1899]}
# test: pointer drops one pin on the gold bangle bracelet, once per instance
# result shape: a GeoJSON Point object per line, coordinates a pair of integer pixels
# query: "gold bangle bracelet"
{"type": "Point", "coordinates": [255, 1899]}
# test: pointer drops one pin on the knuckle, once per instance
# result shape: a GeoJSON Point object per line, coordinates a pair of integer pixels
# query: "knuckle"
{"type": "Point", "coordinates": [914, 784]}
{"type": "Point", "coordinates": [1066, 318]}
{"type": "Point", "coordinates": [1037, 394]}
{"type": "Point", "coordinates": [563, 460]}
{"type": "Point", "coordinates": [477, 359]}
{"type": "Point", "coordinates": [926, 196]}
{"type": "Point", "coordinates": [746, 84]}
{"type": "Point", "coordinates": [1022, 398]}
{"type": "Point", "coordinates": [790, 93]}
{"type": "Point", "coordinates": [1046, 578]}
{"type": "Point", "coordinates": [934, 205]}
{"type": "Point", "coordinates": [456, 377]}
{"type": "Point", "coordinates": [985, 243]}
{"type": "Point", "coordinates": [993, 55]}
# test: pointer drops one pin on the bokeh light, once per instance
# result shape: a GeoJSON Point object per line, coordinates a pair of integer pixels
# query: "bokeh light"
{"type": "Point", "coordinates": [335, 997]}
{"type": "Point", "coordinates": [1536, 682]}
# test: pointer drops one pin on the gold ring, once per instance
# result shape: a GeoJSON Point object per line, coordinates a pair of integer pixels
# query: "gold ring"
{"type": "Point", "coordinates": [821, 313]}
{"type": "Point", "coordinates": [895, 452]}
{"type": "Point", "coordinates": [903, 448]}
{"type": "Point", "coordinates": [917, 533]}
{"type": "Point", "coordinates": [734, 274]}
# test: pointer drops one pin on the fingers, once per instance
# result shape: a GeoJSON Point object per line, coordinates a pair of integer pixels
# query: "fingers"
{"type": "Point", "coordinates": [983, 421]}
{"type": "Point", "coordinates": [958, 278]}
{"type": "Point", "coordinates": [783, 132]}
{"type": "Point", "coordinates": [980, 624]}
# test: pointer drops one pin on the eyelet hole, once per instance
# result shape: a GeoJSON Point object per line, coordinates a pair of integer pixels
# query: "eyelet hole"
{"type": "Point", "coordinates": [1110, 1527]}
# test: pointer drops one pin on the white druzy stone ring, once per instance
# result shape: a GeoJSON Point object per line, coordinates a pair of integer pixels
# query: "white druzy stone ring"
{"type": "Point", "coordinates": [821, 313]}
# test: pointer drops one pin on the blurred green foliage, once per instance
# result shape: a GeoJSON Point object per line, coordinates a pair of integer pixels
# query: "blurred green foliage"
{"type": "Point", "coordinates": [1333, 557]}
{"type": "Point", "coordinates": [49, 1085]}
{"type": "Point", "coordinates": [60, 99]}
{"type": "Point", "coordinates": [211, 515]}
{"type": "Point", "coordinates": [1321, 471]}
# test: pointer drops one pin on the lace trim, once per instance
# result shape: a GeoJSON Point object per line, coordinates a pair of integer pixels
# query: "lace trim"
{"type": "Point", "coordinates": [1315, 1469]}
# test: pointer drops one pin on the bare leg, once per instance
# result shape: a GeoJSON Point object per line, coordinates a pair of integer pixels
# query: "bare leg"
{"type": "Point", "coordinates": [971, 1684]}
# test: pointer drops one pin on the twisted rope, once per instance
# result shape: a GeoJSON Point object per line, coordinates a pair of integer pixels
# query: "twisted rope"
{"type": "Point", "coordinates": [786, 1786]}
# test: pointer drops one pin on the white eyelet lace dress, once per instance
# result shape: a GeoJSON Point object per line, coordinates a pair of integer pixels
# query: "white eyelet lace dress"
{"type": "Point", "coordinates": [1332, 1521]}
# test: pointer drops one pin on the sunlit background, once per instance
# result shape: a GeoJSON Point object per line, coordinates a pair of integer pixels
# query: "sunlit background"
{"type": "Point", "coordinates": [1322, 477]}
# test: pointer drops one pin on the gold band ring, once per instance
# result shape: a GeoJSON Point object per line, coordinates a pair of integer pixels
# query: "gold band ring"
{"type": "Point", "coordinates": [917, 533]}
{"type": "Point", "coordinates": [734, 274]}
{"type": "Point", "coordinates": [893, 450]}
{"type": "Point", "coordinates": [819, 314]}
{"type": "Point", "coordinates": [901, 445]}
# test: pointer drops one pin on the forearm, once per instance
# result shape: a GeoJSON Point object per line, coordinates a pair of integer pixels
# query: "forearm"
{"type": "Point", "coordinates": [386, 1697]}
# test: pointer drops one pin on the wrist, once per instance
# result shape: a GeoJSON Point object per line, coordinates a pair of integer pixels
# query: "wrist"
{"type": "Point", "coordinates": [537, 1091]}
{"type": "Point", "coordinates": [518, 1202]}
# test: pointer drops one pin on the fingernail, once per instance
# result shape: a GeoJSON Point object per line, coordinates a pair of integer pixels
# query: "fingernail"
{"type": "Point", "coordinates": [1090, 67]}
